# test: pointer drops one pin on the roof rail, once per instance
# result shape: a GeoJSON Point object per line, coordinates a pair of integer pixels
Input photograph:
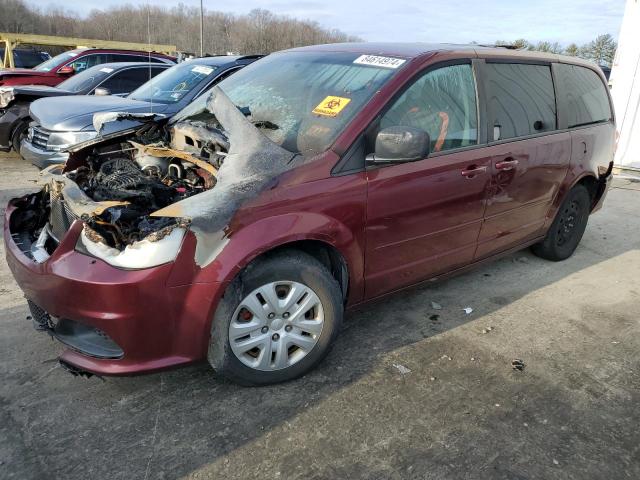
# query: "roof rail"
{"type": "Point", "coordinates": [502, 45]}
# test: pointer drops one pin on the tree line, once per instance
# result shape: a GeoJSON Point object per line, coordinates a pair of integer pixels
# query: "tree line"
{"type": "Point", "coordinates": [602, 50]}
{"type": "Point", "coordinates": [260, 31]}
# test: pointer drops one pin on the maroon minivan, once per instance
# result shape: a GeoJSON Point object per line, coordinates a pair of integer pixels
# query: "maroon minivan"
{"type": "Point", "coordinates": [313, 180]}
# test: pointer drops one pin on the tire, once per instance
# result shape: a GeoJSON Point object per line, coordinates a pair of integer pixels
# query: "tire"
{"type": "Point", "coordinates": [287, 344]}
{"type": "Point", "coordinates": [18, 134]}
{"type": "Point", "coordinates": [567, 228]}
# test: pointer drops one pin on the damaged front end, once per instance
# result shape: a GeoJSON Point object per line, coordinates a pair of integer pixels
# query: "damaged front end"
{"type": "Point", "coordinates": [137, 196]}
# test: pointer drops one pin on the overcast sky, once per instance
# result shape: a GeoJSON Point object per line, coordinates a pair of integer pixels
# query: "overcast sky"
{"type": "Point", "coordinates": [462, 21]}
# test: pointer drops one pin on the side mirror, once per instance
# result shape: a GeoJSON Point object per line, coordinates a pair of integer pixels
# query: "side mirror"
{"type": "Point", "coordinates": [66, 70]}
{"type": "Point", "coordinates": [101, 91]}
{"type": "Point", "coordinates": [400, 144]}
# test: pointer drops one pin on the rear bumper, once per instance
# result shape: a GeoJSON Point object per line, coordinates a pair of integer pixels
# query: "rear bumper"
{"type": "Point", "coordinates": [41, 158]}
{"type": "Point", "coordinates": [154, 324]}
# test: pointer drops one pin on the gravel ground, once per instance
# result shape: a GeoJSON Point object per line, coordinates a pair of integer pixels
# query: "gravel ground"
{"type": "Point", "coordinates": [408, 391]}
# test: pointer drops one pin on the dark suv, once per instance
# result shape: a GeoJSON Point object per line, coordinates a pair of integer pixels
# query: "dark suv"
{"type": "Point", "coordinates": [117, 79]}
{"type": "Point", "coordinates": [312, 180]}
{"type": "Point", "coordinates": [55, 70]}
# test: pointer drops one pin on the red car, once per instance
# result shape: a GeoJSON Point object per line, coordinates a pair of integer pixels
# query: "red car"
{"type": "Point", "coordinates": [59, 68]}
{"type": "Point", "coordinates": [311, 181]}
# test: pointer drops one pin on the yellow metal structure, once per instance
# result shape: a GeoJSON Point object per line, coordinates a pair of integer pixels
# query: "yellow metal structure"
{"type": "Point", "coordinates": [11, 40]}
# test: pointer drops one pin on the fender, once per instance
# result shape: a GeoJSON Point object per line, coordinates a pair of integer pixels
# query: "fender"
{"type": "Point", "coordinates": [268, 233]}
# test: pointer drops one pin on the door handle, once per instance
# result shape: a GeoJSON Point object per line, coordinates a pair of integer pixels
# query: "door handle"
{"type": "Point", "coordinates": [472, 170]}
{"type": "Point", "coordinates": [507, 165]}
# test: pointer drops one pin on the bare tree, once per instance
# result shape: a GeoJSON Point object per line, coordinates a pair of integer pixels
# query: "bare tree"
{"type": "Point", "coordinates": [261, 31]}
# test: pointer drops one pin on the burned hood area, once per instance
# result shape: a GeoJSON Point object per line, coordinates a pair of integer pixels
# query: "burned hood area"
{"type": "Point", "coordinates": [193, 174]}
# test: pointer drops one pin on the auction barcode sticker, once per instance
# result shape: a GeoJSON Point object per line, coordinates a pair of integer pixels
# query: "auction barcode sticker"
{"type": "Point", "coordinates": [202, 69]}
{"type": "Point", "coordinates": [376, 61]}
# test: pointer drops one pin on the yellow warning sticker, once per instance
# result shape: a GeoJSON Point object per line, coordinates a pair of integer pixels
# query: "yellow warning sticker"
{"type": "Point", "coordinates": [331, 106]}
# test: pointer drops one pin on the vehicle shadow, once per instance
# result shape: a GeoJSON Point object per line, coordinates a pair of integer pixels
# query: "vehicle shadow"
{"type": "Point", "coordinates": [170, 424]}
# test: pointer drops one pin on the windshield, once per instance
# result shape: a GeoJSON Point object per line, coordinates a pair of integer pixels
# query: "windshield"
{"type": "Point", "coordinates": [173, 84]}
{"type": "Point", "coordinates": [301, 100]}
{"type": "Point", "coordinates": [87, 80]}
{"type": "Point", "coordinates": [55, 61]}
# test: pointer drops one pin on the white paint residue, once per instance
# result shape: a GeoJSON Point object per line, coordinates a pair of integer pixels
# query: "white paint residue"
{"type": "Point", "coordinates": [402, 369]}
{"type": "Point", "coordinates": [106, 69]}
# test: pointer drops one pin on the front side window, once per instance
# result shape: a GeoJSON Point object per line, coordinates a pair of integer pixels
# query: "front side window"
{"type": "Point", "coordinates": [442, 103]}
{"type": "Point", "coordinates": [521, 100]}
{"type": "Point", "coordinates": [586, 96]}
{"type": "Point", "coordinates": [88, 61]}
{"type": "Point", "coordinates": [128, 80]}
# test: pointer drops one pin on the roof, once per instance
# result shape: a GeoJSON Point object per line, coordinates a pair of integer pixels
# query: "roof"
{"type": "Point", "coordinates": [119, 50]}
{"type": "Point", "coordinates": [413, 50]}
{"type": "Point", "coordinates": [220, 60]}
{"type": "Point", "coordinates": [121, 65]}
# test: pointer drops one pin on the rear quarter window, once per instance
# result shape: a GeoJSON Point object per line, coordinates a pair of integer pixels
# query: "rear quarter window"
{"type": "Point", "coordinates": [586, 95]}
{"type": "Point", "coordinates": [521, 100]}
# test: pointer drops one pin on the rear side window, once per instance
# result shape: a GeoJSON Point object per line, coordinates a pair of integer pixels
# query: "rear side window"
{"type": "Point", "coordinates": [521, 100]}
{"type": "Point", "coordinates": [586, 95]}
{"type": "Point", "coordinates": [443, 103]}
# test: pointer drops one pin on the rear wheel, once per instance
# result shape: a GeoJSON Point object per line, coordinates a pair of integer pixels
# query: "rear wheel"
{"type": "Point", "coordinates": [567, 229]}
{"type": "Point", "coordinates": [19, 133]}
{"type": "Point", "coordinates": [276, 321]}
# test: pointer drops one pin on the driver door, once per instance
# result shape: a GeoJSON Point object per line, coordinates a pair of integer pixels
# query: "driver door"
{"type": "Point", "coordinates": [424, 217]}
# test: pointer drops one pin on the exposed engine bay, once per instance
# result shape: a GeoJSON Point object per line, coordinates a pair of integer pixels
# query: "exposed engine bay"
{"type": "Point", "coordinates": [138, 194]}
{"type": "Point", "coordinates": [145, 179]}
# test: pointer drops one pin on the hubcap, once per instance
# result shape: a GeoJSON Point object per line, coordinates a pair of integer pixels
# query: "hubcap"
{"type": "Point", "coordinates": [276, 325]}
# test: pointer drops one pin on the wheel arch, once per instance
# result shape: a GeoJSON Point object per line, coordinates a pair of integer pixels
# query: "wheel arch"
{"type": "Point", "coordinates": [327, 254]}
{"type": "Point", "coordinates": [331, 242]}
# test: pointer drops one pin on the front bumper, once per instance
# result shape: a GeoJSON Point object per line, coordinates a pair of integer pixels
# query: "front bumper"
{"type": "Point", "coordinates": [41, 158]}
{"type": "Point", "coordinates": [156, 321]}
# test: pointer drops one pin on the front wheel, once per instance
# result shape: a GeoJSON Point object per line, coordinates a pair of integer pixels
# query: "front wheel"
{"type": "Point", "coordinates": [567, 229]}
{"type": "Point", "coordinates": [276, 321]}
{"type": "Point", "coordinates": [19, 133]}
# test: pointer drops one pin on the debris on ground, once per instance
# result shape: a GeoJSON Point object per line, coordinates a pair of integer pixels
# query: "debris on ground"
{"type": "Point", "coordinates": [433, 379]}
{"type": "Point", "coordinates": [434, 317]}
{"type": "Point", "coordinates": [521, 260]}
{"type": "Point", "coordinates": [487, 329]}
{"type": "Point", "coordinates": [467, 310]}
{"type": "Point", "coordinates": [555, 462]}
{"type": "Point", "coordinates": [517, 364]}
{"type": "Point", "coordinates": [445, 357]}
{"type": "Point", "coordinates": [473, 359]}
{"type": "Point", "coordinates": [402, 369]}
{"type": "Point", "coordinates": [436, 306]}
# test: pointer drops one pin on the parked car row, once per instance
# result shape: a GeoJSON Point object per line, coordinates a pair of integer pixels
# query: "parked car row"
{"type": "Point", "coordinates": [287, 189]}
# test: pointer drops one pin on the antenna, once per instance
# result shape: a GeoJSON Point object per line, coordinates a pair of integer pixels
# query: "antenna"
{"type": "Point", "coordinates": [201, 29]}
